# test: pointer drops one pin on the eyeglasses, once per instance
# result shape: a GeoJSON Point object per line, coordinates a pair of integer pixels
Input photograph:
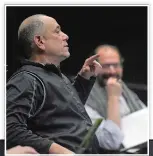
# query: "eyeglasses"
{"type": "Point", "coordinates": [114, 65]}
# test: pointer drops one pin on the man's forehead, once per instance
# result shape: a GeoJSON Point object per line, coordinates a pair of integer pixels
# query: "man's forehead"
{"type": "Point", "coordinates": [108, 53]}
{"type": "Point", "coordinates": [51, 22]}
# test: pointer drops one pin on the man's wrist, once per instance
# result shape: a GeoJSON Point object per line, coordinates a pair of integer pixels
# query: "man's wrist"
{"type": "Point", "coordinates": [84, 76]}
{"type": "Point", "coordinates": [113, 98]}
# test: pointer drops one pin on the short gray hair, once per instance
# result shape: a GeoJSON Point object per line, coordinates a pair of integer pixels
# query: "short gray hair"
{"type": "Point", "coordinates": [27, 32]}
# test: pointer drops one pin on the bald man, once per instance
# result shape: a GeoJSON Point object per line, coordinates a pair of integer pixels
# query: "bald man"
{"type": "Point", "coordinates": [112, 102]}
{"type": "Point", "coordinates": [44, 110]}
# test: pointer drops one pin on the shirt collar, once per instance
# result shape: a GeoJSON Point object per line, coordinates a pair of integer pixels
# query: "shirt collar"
{"type": "Point", "coordinates": [48, 67]}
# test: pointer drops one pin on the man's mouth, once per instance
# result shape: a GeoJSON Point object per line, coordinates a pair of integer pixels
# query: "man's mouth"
{"type": "Point", "coordinates": [66, 45]}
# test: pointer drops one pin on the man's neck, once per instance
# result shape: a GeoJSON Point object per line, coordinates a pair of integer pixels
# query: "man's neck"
{"type": "Point", "coordinates": [45, 60]}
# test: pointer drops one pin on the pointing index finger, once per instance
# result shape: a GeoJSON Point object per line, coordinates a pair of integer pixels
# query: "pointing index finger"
{"type": "Point", "coordinates": [92, 58]}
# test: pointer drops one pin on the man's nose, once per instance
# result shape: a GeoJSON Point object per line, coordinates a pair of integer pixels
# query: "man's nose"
{"type": "Point", "coordinates": [112, 69]}
{"type": "Point", "coordinates": [65, 36]}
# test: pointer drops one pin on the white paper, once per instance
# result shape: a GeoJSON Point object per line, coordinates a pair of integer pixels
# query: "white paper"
{"type": "Point", "coordinates": [135, 128]}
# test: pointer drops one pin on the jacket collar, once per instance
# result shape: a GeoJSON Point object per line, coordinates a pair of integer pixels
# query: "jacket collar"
{"type": "Point", "coordinates": [48, 67]}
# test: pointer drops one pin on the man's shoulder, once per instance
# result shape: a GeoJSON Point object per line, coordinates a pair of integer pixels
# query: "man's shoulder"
{"type": "Point", "coordinates": [23, 77]}
{"type": "Point", "coordinates": [127, 86]}
{"type": "Point", "coordinates": [20, 74]}
{"type": "Point", "coordinates": [131, 93]}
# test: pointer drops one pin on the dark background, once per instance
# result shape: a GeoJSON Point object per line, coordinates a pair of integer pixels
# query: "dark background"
{"type": "Point", "coordinates": [87, 27]}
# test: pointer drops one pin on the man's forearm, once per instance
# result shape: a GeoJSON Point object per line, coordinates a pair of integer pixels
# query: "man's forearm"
{"type": "Point", "coordinates": [83, 87]}
{"type": "Point", "coordinates": [114, 110]}
{"type": "Point", "coordinates": [19, 135]}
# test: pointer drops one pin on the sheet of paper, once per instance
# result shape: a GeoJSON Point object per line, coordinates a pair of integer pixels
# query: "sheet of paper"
{"type": "Point", "coordinates": [135, 128]}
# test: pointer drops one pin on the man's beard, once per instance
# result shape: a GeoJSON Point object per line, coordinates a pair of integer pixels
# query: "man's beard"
{"type": "Point", "coordinates": [102, 78]}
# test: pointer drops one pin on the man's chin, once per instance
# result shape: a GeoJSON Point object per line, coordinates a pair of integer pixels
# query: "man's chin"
{"type": "Point", "coordinates": [65, 55]}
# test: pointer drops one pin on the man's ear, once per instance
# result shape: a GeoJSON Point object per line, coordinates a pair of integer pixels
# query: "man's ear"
{"type": "Point", "coordinates": [39, 41]}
